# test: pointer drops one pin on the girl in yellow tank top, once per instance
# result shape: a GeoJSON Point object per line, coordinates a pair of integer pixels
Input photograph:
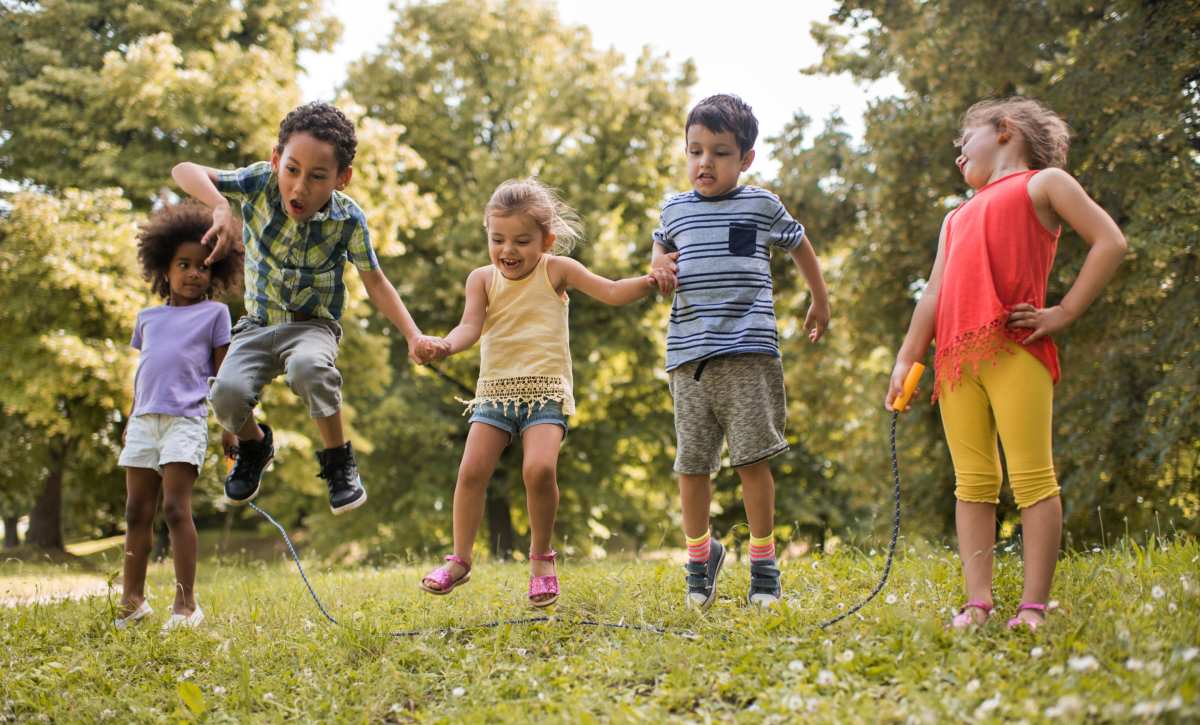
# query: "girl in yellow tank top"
{"type": "Point", "coordinates": [517, 306]}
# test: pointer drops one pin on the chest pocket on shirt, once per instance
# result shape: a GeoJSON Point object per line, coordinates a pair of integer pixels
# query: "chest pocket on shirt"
{"type": "Point", "coordinates": [743, 240]}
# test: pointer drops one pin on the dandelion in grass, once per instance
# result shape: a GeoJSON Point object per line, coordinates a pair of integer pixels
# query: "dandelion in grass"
{"type": "Point", "coordinates": [1171, 607]}
{"type": "Point", "coordinates": [218, 690]}
{"type": "Point", "coordinates": [988, 705]}
{"type": "Point", "coordinates": [186, 674]}
{"type": "Point", "coordinates": [794, 702]}
{"type": "Point", "coordinates": [1189, 654]}
{"type": "Point", "coordinates": [1155, 668]}
{"type": "Point", "coordinates": [1086, 663]}
{"type": "Point", "coordinates": [268, 696]}
{"type": "Point", "coordinates": [1036, 652]}
{"type": "Point", "coordinates": [1147, 608]}
{"type": "Point", "coordinates": [1157, 592]}
{"type": "Point", "coordinates": [458, 691]}
{"type": "Point", "coordinates": [825, 677]}
{"type": "Point", "coordinates": [796, 666]}
{"type": "Point", "coordinates": [1055, 671]}
{"type": "Point", "coordinates": [972, 686]}
{"type": "Point", "coordinates": [1134, 665]}
{"type": "Point", "coordinates": [890, 599]}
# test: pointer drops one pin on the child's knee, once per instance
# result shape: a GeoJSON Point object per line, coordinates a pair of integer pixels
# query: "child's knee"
{"type": "Point", "coordinates": [176, 513]}
{"type": "Point", "coordinates": [139, 514]}
{"type": "Point", "coordinates": [1030, 487]}
{"type": "Point", "coordinates": [232, 401]}
{"type": "Point", "coordinates": [977, 487]}
{"type": "Point", "coordinates": [317, 381]}
{"type": "Point", "coordinates": [539, 474]}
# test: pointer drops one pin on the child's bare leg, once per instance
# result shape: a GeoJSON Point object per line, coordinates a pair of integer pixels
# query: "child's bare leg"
{"type": "Point", "coordinates": [758, 494]}
{"type": "Point", "coordinates": [250, 430]}
{"type": "Point", "coordinates": [178, 481]}
{"type": "Point", "coordinates": [695, 498]}
{"type": "Point", "coordinates": [1041, 533]}
{"type": "Point", "coordinates": [540, 471]}
{"type": "Point", "coordinates": [976, 525]}
{"type": "Point", "coordinates": [141, 499]}
{"type": "Point", "coordinates": [484, 445]}
{"type": "Point", "coordinates": [330, 428]}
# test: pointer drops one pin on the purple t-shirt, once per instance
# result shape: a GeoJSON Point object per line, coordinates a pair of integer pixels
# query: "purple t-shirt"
{"type": "Point", "coordinates": [177, 349]}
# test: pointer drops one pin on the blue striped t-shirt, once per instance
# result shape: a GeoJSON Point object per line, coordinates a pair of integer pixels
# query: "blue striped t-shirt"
{"type": "Point", "coordinates": [723, 301]}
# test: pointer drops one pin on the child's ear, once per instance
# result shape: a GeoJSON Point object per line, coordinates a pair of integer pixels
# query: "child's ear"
{"type": "Point", "coordinates": [1003, 133]}
{"type": "Point", "coordinates": [747, 159]}
{"type": "Point", "coordinates": [275, 159]}
{"type": "Point", "coordinates": [343, 177]}
{"type": "Point", "coordinates": [548, 241]}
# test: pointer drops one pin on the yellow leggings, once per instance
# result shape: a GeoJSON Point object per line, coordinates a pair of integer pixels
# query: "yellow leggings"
{"type": "Point", "coordinates": [1015, 398]}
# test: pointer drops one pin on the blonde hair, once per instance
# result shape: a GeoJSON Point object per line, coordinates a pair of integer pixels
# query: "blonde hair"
{"type": "Point", "coordinates": [1045, 133]}
{"type": "Point", "coordinates": [541, 204]}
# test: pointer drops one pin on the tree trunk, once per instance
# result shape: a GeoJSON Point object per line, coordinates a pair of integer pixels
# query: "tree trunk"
{"type": "Point", "coordinates": [501, 535]}
{"type": "Point", "coordinates": [10, 533]}
{"type": "Point", "coordinates": [45, 521]}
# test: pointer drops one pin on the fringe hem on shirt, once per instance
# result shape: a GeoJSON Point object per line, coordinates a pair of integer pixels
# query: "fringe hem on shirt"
{"type": "Point", "coordinates": [969, 350]}
{"type": "Point", "coordinates": [534, 390]}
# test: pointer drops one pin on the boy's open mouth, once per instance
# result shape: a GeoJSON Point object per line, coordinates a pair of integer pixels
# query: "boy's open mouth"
{"type": "Point", "coordinates": [295, 206]}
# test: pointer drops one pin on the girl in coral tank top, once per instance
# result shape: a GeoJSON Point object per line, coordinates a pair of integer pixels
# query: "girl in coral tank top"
{"type": "Point", "coordinates": [518, 304]}
{"type": "Point", "coordinates": [995, 363]}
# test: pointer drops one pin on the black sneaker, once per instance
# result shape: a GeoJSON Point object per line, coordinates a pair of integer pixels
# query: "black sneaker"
{"type": "Point", "coordinates": [702, 577]}
{"type": "Point", "coordinates": [765, 590]}
{"type": "Point", "coordinates": [244, 480]}
{"type": "Point", "coordinates": [340, 472]}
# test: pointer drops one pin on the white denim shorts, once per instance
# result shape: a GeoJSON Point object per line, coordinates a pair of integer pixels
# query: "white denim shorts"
{"type": "Point", "coordinates": [153, 440]}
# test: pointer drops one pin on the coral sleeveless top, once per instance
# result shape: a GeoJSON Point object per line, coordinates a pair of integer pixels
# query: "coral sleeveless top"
{"type": "Point", "coordinates": [525, 351]}
{"type": "Point", "coordinates": [998, 255]}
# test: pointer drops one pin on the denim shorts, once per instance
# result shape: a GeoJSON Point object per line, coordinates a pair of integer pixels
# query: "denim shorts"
{"type": "Point", "coordinates": [516, 418]}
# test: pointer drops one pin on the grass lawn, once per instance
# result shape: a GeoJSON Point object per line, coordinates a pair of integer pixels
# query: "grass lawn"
{"type": "Point", "coordinates": [1122, 644]}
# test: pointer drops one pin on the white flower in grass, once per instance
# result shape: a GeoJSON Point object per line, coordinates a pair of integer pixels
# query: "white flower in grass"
{"type": "Point", "coordinates": [1147, 608]}
{"type": "Point", "coordinates": [1189, 654]}
{"type": "Point", "coordinates": [268, 696]}
{"type": "Point", "coordinates": [218, 690]}
{"type": "Point", "coordinates": [972, 686]}
{"type": "Point", "coordinates": [1171, 607]}
{"type": "Point", "coordinates": [1086, 663]}
{"type": "Point", "coordinates": [890, 599]}
{"type": "Point", "coordinates": [106, 714]}
{"type": "Point", "coordinates": [1185, 583]}
{"type": "Point", "coordinates": [796, 666]}
{"type": "Point", "coordinates": [1036, 652]}
{"type": "Point", "coordinates": [1066, 705]}
{"type": "Point", "coordinates": [1157, 592]}
{"type": "Point", "coordinates": [396, 707]}
{"type": "Point", "coordinates": [793, 702]}
{"type": "Point", "coordinates": [846, 656]}
{"type": "Point", "coordinates": [458, 691]}
{"type": "Point", "coordinates": [825, 677]}
{"type": "Point", "coordinates": [1133, 664]}
{"type": "Point", "coordinates": [1052, 604]}
{"type": "Point", "coordinates": [522, 651]}
{"type": "Point", "coordinates": [1055, 671]}
{"type": "Point", "coordinates": [1155, 668]}
{"type": "Point", "coordinates": [186, 674]}
{"type": "Point", "coordinates": [988, 705]}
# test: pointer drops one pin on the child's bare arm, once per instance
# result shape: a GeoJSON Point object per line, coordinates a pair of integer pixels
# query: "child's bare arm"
{"type": "Point", "coordinates": [664, 267]}
{"type": "Point", "coordinates": [817, 319]}
{"type": "Point", "coordinates": [1070, 203]}
{"type": "Point", "coordinates": [566, 273]}
{"type": "Point", "coordinates": [470, 327]}
{"type": "Point", "coordinates": [200, 183]}
{"type": "Point", "coordinates": [921, 328]}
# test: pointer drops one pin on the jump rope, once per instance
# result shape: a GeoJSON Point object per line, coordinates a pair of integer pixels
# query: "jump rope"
{"type": "Point", "coordinates": [900, 404]}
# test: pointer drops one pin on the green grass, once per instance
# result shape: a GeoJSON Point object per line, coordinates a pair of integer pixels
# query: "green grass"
{"type": "Point", "coordinates": [1122, 645]}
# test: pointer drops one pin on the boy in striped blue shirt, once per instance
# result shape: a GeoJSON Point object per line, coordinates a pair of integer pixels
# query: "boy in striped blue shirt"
{"type": "Point", "coordinates": [722, 344]}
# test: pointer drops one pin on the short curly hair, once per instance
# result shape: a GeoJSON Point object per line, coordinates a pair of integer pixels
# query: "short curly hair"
{"type": "Point", "coordinates": [171, 226]}
{"type": "Point", "coordinates": [323, 122]}
{"type": "Point", "coordinates": [726, 112]}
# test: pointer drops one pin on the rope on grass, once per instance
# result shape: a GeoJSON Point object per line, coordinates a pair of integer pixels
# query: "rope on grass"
{"type": "Point", "coordinates": [653, 629]}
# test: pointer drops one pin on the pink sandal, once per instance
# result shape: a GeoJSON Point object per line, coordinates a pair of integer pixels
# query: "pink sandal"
{"type": "Point", "coordinates": [964, 620]}
{"type": "Point", "coordinates": [542, 585]}
{"type": "Point", "coordinates": [444, 580]}
{"type": "Point", "coordinates": [1016, 621]}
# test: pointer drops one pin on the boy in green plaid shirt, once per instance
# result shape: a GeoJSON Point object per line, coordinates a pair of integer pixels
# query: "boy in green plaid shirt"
{"type": "Point", "coordinates": [298, 230]}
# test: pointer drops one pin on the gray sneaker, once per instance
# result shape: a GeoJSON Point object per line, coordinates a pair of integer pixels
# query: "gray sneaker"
{"type": "Point", "coordinates": [765, 590]}
{"type": "Point", "coordinates": [702, 577]}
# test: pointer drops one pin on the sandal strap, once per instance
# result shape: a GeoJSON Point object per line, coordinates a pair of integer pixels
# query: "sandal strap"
{"type": "Point", "coordinates": [459, 560]}
{"type": "Point", "coordinates": [983, 606]}
{"type": "Point", "coordinates": [1031, 606]}
{"type": "Point", "coordinates": [548, 556]}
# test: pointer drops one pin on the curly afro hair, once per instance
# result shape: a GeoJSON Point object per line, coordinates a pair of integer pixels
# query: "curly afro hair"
{"type": "Point", "coordinates": [165, 230]}
{"type": "Point", "coordinates": [323, 122]}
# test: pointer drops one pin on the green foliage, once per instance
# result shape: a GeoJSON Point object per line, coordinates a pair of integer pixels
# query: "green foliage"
{"type": "Point", "coordinates": [1120, 646]}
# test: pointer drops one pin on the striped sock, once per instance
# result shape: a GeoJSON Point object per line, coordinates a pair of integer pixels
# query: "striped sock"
{"type": "Point", "coordinates": [763, 548]}
{"type": "Point", "coordinates": [698, 547]}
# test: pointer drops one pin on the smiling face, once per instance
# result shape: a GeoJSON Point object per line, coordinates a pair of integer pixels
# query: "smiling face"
{"type": "Point", "coordinates": [187, 275]}
{"type": "Point", "coordinates": [308, 174]}
{"type": "Point", "coordinates": [714, 160]}
{"type": "Point", "coordinates": [516, 243]}
{"type": "Point", "coordinates": [980, 149]}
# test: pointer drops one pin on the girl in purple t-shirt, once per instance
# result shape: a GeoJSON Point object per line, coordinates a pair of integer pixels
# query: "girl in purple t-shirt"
{"type": "Point", "coordinates": [182, 344]}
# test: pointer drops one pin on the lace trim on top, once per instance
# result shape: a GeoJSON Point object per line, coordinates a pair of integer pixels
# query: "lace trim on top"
{"type": "Point", "coordinates": [969, 350]}
{"type": "Point", "coordinates": [534, 390]}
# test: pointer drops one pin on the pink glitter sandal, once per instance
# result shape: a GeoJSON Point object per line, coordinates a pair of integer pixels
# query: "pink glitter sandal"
{"type": "Point", "coordinates": [443, 581]}
{"type": "Point", "coordinates": [1017, 622]}
{"type": "Point", "coordinates": [540, 586]}
{"type": "Point", "coordinates": [964, 619]}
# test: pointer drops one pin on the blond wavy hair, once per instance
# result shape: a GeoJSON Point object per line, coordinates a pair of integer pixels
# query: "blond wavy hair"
{"type": "Point", "coordinates": [1044, 132]}
{"type": "Point", "coordinates": [540, 203]}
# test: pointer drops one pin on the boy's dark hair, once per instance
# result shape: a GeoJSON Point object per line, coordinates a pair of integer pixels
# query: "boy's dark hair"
{"type": "Point", "coordinates": [323, 122]}
{"type": "Point", "coordinates": [726, 112]}
{"type": "Point", "coordinates": [162, 234]}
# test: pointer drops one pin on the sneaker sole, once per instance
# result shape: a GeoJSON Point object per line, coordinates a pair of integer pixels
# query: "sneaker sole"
{"type": "Point", "coordinates": [350, 506]}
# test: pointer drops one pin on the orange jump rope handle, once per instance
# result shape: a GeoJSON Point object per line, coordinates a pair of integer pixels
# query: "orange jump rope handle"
{"type": "Point", "coordinates": [910, 387]}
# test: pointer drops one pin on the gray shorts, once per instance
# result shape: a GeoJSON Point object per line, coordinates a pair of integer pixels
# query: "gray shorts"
{"type": "Point", "coordinates": [735, 398]}
{"type": "Point", "coordinates": [304, 352]}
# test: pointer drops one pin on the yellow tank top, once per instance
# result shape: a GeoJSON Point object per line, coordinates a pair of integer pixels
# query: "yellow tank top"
{"type": "Point", "coordinates": [525, 350]}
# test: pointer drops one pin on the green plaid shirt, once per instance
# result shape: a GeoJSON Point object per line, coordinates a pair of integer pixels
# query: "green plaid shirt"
{"type": "Point", "coordinates": [294, 267]}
